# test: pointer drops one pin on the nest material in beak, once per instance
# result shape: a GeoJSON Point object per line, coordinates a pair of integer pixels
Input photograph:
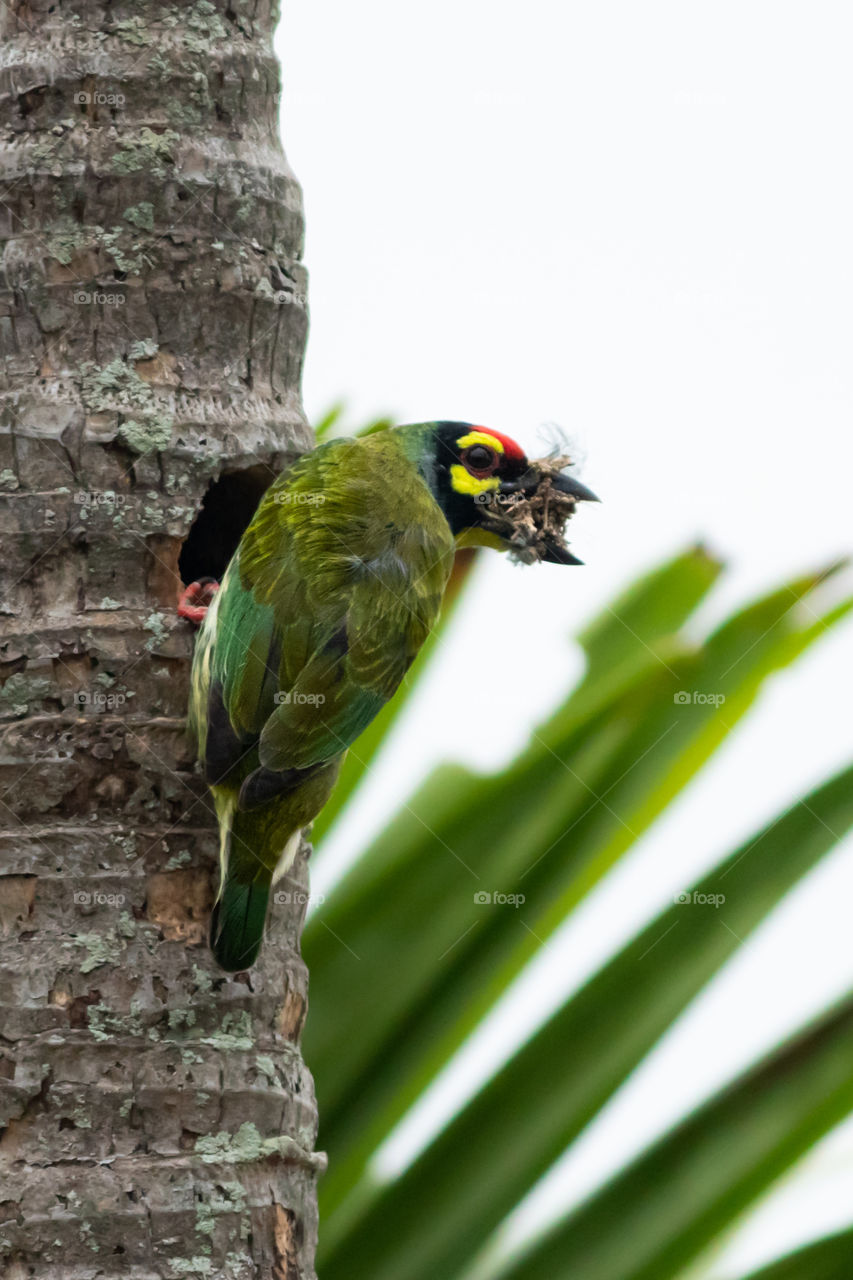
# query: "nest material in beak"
{"type": "Point", "coordinates": [533, 517]}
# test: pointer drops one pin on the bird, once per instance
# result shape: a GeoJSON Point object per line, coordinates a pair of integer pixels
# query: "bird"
{"type": "Point", "coordinates": [336, 583]}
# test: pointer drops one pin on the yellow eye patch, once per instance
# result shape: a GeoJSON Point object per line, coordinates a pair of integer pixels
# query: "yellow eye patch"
{"type": "Point", "coordinates": [464, 482]}
{"type": "Point", "coordinates": [479, 437]}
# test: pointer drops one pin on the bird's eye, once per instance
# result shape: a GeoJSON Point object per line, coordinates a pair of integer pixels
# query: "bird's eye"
{"type": "Point", "coordinates": [480, 458]}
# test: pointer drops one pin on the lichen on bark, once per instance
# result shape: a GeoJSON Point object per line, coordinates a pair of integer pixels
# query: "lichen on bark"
{"type": "Point", "coordinates": [156, 1118]}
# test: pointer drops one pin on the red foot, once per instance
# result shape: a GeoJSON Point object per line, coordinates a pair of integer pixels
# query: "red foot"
{"type": "Point", "coordinates": [196, 600]}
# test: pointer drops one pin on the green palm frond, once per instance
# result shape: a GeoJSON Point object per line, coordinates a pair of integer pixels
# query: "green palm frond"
{"type": "Point", "coordinates": [432, 963]}
{"type": "Point", "coordinates": [827, 1259]}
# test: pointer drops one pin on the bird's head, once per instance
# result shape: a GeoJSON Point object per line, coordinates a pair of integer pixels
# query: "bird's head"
{"type": "Point", "coordinates": [488, 488]}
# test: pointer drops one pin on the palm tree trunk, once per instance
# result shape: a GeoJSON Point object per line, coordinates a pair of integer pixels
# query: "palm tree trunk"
{"type": "Point", "coordinates": [158, 1120]}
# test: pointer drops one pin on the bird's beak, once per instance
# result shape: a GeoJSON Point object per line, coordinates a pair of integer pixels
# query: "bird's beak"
{"type": "Point", "coordinates": [571, 486]}
{"type": "Point", "coordinates": [559, 555]}
{"type": "Point", "coordinates": [564, 483]}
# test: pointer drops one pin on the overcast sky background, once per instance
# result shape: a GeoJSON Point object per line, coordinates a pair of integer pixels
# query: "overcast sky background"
{"type": "Point", "coordinates": [632, 220]}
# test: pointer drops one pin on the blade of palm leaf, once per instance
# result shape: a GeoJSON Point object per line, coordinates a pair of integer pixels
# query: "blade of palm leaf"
{"type": "Point", "coordinates": [656, 604]}
{"type": "Point", "coordinates": [658, 1215]}
{"type": "Point", "coordinates": [443, 995]}
{"type": "Point", "coordinates": [510, 1133]}
{"type": "Point", "coordinates": [639, 624]}
{"type": "Point", "coordinates": [828, 1259]}
{"type": "Point", "coordinates": [362, 757]}
{"type": "Point", "coordinates": [330, 422]}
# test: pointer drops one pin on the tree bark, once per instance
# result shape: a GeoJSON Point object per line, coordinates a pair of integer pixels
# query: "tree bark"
{"type": "Point", "coordinates": [158, 1118]}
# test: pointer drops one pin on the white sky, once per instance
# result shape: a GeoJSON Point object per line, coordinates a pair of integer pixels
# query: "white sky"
{"type": "Point", "coordinates": [633, 220]}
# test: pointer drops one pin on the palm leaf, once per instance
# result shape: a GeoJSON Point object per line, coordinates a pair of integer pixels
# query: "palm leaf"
{"type": "Point", "coordinates": [543, 1097]}
{"type": "Point", "coordinates": [827, 1259]}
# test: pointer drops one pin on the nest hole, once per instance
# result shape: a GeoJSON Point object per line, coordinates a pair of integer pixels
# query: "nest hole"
{"type": "Point", "coordinates": [226, 509]}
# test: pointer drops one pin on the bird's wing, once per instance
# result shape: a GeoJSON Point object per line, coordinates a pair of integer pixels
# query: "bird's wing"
{"type": "Point", "coordinates": [336, 585]}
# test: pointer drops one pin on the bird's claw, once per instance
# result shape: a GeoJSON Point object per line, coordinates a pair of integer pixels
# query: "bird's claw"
{"type": "Point", "coordinates": [196, 599]}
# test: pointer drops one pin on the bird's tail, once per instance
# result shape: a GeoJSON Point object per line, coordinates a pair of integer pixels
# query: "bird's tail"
{"type": "Point", "coordinates": [240, 912]}
{"type": "Point", "coordinates": [247, 874]}
{"type": "Point", "coordinates": [237, 922]}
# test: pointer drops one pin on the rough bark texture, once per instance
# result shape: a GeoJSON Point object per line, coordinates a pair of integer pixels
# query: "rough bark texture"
{"type": "Point", "coordinates": [157, 1118]}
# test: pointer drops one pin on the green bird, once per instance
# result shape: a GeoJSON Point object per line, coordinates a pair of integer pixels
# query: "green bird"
{"type": "Point", "coordinates": [334, 587]}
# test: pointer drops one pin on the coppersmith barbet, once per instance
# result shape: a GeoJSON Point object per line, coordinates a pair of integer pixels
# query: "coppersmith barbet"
{"type": "Point", "coordinates": [333, 589]}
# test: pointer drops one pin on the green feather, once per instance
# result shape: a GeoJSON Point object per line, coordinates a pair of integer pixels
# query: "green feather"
{"type": "Point", "coordinates": [237, 923]}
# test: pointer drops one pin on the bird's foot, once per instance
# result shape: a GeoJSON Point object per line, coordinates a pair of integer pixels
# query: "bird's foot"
{"type": "Point", "coordinates": [196, 599]}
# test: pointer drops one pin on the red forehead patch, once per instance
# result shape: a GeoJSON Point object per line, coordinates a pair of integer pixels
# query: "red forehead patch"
{"type": "Point", "coordinates": [512, 450]}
